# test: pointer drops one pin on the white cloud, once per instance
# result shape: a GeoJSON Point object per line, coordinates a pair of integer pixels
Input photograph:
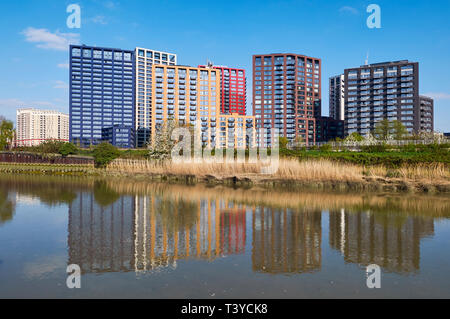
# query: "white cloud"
{"type": "Point", "coordinates": [18, 103]}
{"type": "Point", "coordinates": [44, 39]}
{"type": "Point", "coordinates": [438, 95]}
{"type": "Point", "coordinates": [8, 107]}
{"type": "Point", "coordinates": [348, 9]}
{"type": "Point", "coordinates": [45, 267]}
{"type": "Point", "coordinates": [61, 85]}
{"type": "Point", "coordinates": [63, 65]}
{"type": "Point", "coordinates": [99, 20]}
{"type": "Point", "coordinates": [111, 4]}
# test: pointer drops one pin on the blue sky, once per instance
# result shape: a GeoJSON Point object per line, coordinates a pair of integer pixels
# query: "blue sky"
{"type": "Point", "coordinates": [34, 37]}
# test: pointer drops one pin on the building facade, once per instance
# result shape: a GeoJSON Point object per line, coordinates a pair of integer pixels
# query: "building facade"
{"type": "Point", "coordinates": [328, 129]}
{"type": "Point", "coordinates": [286, 96]}
{"type": "Point", "coordinates": [38, 126]}
{"type": "Point", "coordinates": [145, 59]}
{"type": "Point", "coordinates": [101, 92]}
{"type": "Point", "coordinates": [119, 135]}
{"type": "Point", "coordinates": [387, 90]}
{"type": "Point", "coordinates": [426, 114]}
{"type": "Point", "coordinates": [191, 96]}
{"type": "Point", "coordinates": [337, 97]}
{"type": "Point", "coordinates": [233, 90]}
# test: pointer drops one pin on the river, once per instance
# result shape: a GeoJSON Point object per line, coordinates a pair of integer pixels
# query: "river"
{"type": "Point", "coordinates": [138, 239]}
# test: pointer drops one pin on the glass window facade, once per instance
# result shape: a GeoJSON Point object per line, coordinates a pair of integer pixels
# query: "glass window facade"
{"type": "Point", "coordinates": [101, 92]}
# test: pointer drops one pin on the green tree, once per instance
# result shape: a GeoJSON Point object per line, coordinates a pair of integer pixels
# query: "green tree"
{"type": "Point", "coordinates": [299, 141]}
{"type": "Point", "coordinates": [6, 134]}
{"type": "Point", "coordinates": [68, 149]}
{"type": "Point", "coordinates": [354, 137]}
{"type": "Point", "coordinates": [104, 154]}
{"type": "Point", "coordinates": [382, 129]}
{"type": "Point", "coordinates": [49, 147]}
{"type": "Point", "coordinates": [399, 130]}
{"type": "Point", "coordinates": [283, 142]}
{"type": "Point", "coordinates": [385, 128]}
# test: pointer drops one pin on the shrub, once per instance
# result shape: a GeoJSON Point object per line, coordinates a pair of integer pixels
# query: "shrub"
{"type": "Point", "coordinates": [49, 147]}
{"type": "Point", "coordinates": [104, 154]}
{"type": "Point", "coordinates": [283, 142]}
{"type": "Point", "coordinates": [379, 148]}
{"type": "Point", "coordinates": [68, 149]}
{"type": "Point", "coordinates": [326, 148]}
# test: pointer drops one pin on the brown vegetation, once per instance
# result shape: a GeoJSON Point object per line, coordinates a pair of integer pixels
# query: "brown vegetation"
{"type": "Point", "coordinates": [291, 171]}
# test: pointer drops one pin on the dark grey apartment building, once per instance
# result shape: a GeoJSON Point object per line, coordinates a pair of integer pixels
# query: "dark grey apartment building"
{"type": "Point", "coordinates": [387, 90]}
{"type": "Point", "coordinates": [426, 114]}
{"type": "Point", "coordinates": [337, 97]}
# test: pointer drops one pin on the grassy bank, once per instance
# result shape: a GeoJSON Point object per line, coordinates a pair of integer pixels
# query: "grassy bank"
{"type": "Point", "coordinates": [49, 169]}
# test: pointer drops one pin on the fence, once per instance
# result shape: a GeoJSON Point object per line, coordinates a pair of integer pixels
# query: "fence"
{"type": "Point", "coordinates": [31, 158]}
{"type": "Point", "coordinates": [355, 144]}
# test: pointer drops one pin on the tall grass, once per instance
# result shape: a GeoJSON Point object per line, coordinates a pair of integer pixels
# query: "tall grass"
{"type": "Point", "coordinates": [289, 169]}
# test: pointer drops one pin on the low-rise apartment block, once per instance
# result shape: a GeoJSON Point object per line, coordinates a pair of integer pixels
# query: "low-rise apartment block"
{"type": "Point", "coordinates": [38, 126]}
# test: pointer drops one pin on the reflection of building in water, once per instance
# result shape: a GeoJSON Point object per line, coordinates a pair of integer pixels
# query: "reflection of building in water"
{"type": "Point", "coordinates": [390, 241]}
{"type": "Point", "coordinates": [167, 231]}
{"type": "Point", "coordinates": [139, 233]}
{"type": "Point", "coordinates": [101, 238]}
{"type": "Point", "coordinates": [286, 241]}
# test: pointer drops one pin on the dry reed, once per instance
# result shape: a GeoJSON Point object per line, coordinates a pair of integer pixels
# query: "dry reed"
{"type": "Point", "coordinates": [289, 169]}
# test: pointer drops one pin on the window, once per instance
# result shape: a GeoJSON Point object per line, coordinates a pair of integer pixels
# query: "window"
{"type": "Point", "coordinates": [76, 52]}
{"type": "Point", "coordinates": [118, 56]}
{"type": "Point", "coordinates": [97, 54]}
{"type": "Point", "coordinates": [86, 53]}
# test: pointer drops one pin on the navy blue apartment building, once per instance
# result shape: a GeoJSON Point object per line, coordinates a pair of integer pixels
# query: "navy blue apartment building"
{"type": "Point", "coordinates": [102, 96]}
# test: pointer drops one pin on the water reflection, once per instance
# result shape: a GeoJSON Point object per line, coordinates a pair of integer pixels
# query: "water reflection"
{"type": "Point", "coordinates": [391, 241]}
{"type": "Point", "coordinates": [141, 233]}
{"type": "Point", "coordinates": [286, 241]}
{"type": "Point", "coordinates": [143, 227]}
{"type": "Point", "coordinates": [6, 207]}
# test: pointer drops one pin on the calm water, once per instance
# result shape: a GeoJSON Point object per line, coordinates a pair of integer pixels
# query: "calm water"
{"type": "Point", "coordinates": [138, 239]}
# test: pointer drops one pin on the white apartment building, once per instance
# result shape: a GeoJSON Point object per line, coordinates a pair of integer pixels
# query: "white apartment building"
{"type": "Point", "coordinates": [37, 126]}
{"type": "Point", "coordinates": [145, 59]}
